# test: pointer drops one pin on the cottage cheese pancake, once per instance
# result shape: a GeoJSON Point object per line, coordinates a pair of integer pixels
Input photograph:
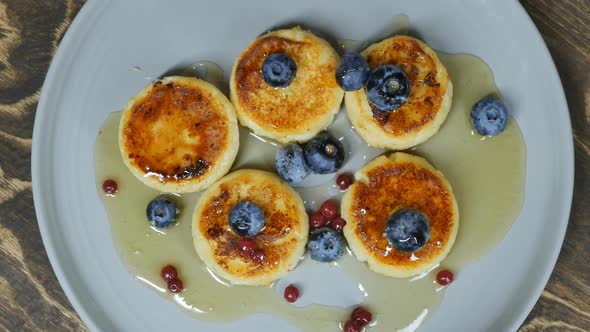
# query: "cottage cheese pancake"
{"type": "Point", "coordinates": [179, 134]}
{"type": "Point", "coordinates": [428, 104]}
{"type": "Point", "coordinates": [386, 185]}
{"type": "Point", "coordinates": [282, 240]}
{"type": "Point", "coordinates": [304, 107]}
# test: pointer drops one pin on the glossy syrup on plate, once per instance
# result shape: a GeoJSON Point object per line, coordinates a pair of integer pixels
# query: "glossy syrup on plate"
{"type": "Point", "coordinates": [487, 176]}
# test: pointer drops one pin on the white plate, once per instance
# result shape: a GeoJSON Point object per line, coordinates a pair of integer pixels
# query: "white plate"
{"type": "Point", "coordinates": [90, 76]}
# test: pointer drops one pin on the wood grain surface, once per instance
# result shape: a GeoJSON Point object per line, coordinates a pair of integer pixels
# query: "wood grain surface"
{"type": "Point", "coordinates": [31, 298]}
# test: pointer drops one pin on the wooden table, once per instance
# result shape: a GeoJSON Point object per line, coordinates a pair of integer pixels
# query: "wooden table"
{"type": "Point", "coordinates": [30, 295]}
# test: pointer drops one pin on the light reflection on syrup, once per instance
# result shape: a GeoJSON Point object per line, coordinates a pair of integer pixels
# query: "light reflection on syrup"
{"type": "Point", "coordinates": [158, 230]}
{"type": "Point", "coordinates": [151, 284]}
{"type": "Point", "coordinates": [362, 289]}
{"type": "Point", "coordinates": [180, 300]}
{"type": "Point", "coordinates": [424, 274]}
{"type": "Point", "coordinates": [218, 279]}
{"type": "Point", "coordinates": [264, 140]}
{"type": "Point", "coordinates": [158, 176]}
{"type": "Point", "coordinates": [416, 323]}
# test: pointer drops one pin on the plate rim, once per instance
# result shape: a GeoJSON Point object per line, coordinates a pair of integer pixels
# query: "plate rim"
{"type": "Point", "coordinates": [91, 7]}
{"type": "Point", "coordinates": [80, 24]}
{"type": "Point", "coordinates": [569, 165]}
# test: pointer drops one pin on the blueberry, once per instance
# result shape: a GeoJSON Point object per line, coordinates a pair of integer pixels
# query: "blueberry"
{"type": "Point", "coordinates": [246, 219]}
{"type": "Point", "coordinates": [352, 72]}
{"type": "Point", "coordinates": [489, 116]}
{"type": "Point", "coordinates": [407, 230]}
{"type": "Point", "coordinates": [161, 212]}
{"type": "Point", "coordinates": [388, 87]}
{"type": "Point", "coordinates": [278, 70]}
{"type": "Point", "coordinates": [290, 163]}
{"type": "Point", "coordinates": [325, 245]}
{"type": "Point", "coordinates": [324, 154]}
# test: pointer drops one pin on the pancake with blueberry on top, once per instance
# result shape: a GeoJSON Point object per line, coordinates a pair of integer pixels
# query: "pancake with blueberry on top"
{"type": "Point", "coordinates": [402, 217]}
{"type": "Point", "coordinates": [250, 228]}
{"type": "Point", "coordinates": [283, 85]}
{"type": "Point", "coordinates": [400, 97]}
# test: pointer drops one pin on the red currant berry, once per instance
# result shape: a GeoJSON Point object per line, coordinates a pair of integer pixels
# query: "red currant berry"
{"type": "Point", "coordinates": [257, 255]}
{"type": "Point", "coordinates": [344, 181]}
{"type": "Point", "coordinates": [247, 245]}
{"type": "Point", "coordinates": [175, 285]}
{"type": "Point", "coordinates": [338, 224]}
{"type": "Point", "coordinates": [361, 316]}
{"type": "Point", "coordinates": [169, 273]}
{"type": "Point", "coordinates": [329, 209]}
{"type": "Point", "coordinates": [110, 187]}
{"type": "Point", "coordinates": [444, 277]}
{"type": "Point", "coordinates": [291, 294]}
{"type": "Point", "coordinates": [351, 326]}
{"type": "Point", "coordinates": [316, 220]}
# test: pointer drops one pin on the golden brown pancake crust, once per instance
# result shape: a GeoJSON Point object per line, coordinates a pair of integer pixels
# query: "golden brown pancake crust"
{"type": "Point", "coordinates": [428, 86]}
{"type": "Point", "coordinates": [393, 186]}
{"type": "Point", "coordinates": [304, 100]}
{"type": "Point", "coordinates": [276, 239]}
{"type": "Point", "coordinates": [176, 132]}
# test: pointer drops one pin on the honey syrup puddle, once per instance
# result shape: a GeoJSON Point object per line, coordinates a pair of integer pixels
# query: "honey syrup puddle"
{"type": "Point", "coordinates": [487, 176]}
